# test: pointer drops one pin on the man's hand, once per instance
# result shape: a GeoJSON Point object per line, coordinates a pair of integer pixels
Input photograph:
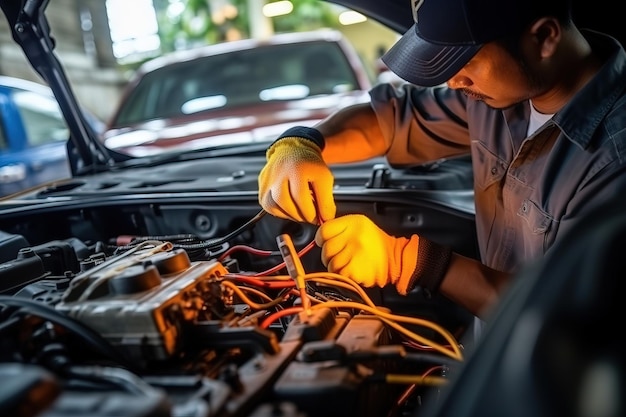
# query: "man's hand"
{"type": "Point", "coordinates": [296, 183]}
{"type": "Point", "coordinates": [355, 247]}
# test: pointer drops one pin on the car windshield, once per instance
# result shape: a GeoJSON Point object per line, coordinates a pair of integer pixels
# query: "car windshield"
{"type": "Point", "coordinates": [239, 78]}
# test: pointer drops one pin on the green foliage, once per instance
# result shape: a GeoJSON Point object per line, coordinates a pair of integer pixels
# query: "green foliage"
{"type": "Point", "coordinates": [194, 26]}
{"type": "Point", "coordinates": [306, 15]}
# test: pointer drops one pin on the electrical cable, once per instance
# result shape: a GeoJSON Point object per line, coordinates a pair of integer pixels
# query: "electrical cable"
{"type": "Point", "coordinates": [347, 286]}
{"type": "Point", "coordinates": [289, 311]}
{"type": "Point", "coordinates": [92, 338]}
{"type": "Point", "coordinates": [256, 281]}
{"type": "Point", "coordinates": [212, 243]}
{"type": "Point", "coordinates": [220, 241]}
{"type": "Point", "coordinates": [249, 249]}
{"type": "Point", "coordinates": [281, 265]}
{"type": "Point", "coordinates": [294, 268]}
{"type": "Point", "coordinates": [121, 378]}
{"type": "Point", "coordinates": [255, 291]}
{"type": "Point", "coordinates": [349, 282]}
{"type": "Point", "coordinates": [435, 381]}
{"type": "Point", "coordinates": [248, 301]}
{"type": "Point", "coordinates": [409, 391]}
{"type": "Point", "coordinates": [453, 351]}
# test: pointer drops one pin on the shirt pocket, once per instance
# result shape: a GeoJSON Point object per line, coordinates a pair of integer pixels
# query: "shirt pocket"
{"type": "Point", "coordinates": [537, 220]}
{"type": "Point", "coordinates": [537, 232]}
{"type": "Point", "coordinates": [488, 167]}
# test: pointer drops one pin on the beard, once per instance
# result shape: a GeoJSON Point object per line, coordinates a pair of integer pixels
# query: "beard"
{"type": "Point", "coordinates": [473, 95]}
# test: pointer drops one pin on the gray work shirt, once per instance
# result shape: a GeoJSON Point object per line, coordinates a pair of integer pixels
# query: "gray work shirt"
{"type": "Point", "coordinates": [529, 191]}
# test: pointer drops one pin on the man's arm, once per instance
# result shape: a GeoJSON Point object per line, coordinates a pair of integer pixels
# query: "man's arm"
{"type": "Point", "coordinates": [473, 285]}
{"type": "Point", "coordinates": [352, 134]}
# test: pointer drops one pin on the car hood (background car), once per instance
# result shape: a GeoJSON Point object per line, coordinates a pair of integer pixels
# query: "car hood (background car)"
{"type": "Point", "coordinates": [229, 127]}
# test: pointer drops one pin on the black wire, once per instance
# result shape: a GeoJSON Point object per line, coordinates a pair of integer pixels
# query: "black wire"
{"type": "Point", "coordinates": [95, 340]}
{"type": "Point", "coordinates": [118, 377]}
{"type": "Point", "coordinates": [220, 241]}
{"type": "Point", "coordinates": [207, 244]}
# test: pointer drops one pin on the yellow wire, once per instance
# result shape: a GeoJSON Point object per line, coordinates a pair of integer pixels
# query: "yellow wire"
{"type": "Point", "coordinates": [354, 285]}
{"type": "Point", "coordinates": [256, 292]}
{"type": "Point", "coordinates": [351, 284]}
{"type": "Point", "coordinates": [415, 379]}
{"type": "Point", "coordinates": [248, 301]}
{"type": "Point", "coordinates": [334, 283]}
{"type": "Point", "coordinates": [391, 319]}
{"type": "Point", "coordinates": [348, 283]}
{"type": "Point", "coordinates": [425, 341]}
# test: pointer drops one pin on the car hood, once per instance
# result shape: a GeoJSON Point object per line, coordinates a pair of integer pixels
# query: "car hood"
{"type": "Point", "coordinates": [247, 124]}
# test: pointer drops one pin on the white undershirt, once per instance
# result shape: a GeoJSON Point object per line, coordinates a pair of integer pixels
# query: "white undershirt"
{"type": "Point", "coordinates": [536, 120]}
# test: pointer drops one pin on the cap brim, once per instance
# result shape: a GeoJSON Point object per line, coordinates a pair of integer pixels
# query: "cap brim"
{"type": "Point", "coordinates": [423, 63]}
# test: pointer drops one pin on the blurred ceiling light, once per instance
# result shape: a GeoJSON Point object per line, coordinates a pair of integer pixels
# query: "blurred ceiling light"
{"type": "Point", "coordinates": [351, 17]}
{"type": "Point", "coordinates": [277, 8]}
{"type": "Point", "coordinates": [131, 36]}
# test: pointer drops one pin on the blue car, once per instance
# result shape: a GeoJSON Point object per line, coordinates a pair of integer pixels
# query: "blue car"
{"type": "Point", "coordinates": [33, 136]}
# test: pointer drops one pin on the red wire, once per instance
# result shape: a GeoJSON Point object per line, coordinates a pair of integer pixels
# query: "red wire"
{"type": "Point", "coordinates": [263, 252]}
{"type": "Point", "coordinates": [244, 248]}
{"type": "Point", "coordinates": [278, 314]}
{"type": "Point", "coordinates": [281, 265]}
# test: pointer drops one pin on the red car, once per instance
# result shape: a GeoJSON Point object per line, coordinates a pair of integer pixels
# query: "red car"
{"type": "Point", "coordinates": [236, 92]}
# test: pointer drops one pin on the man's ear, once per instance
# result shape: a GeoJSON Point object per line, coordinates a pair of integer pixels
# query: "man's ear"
{"type": "Point", "coordinates": [546, 33]}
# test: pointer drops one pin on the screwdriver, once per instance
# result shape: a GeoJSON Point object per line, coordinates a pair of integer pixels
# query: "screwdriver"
{"type": "Point", "coordinates": [294, 268]}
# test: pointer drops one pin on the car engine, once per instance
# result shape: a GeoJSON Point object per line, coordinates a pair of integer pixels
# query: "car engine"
{"type": "Point", "coordinates": [135, 308]}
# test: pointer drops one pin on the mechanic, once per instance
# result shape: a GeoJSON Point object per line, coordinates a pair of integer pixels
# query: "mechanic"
{"type": "Point", "coordinates": [537, 101]}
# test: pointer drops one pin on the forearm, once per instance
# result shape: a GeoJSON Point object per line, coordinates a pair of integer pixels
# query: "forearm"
{"type": "Point", "coordinates": [472, 285]}
{"type": "Point", "coordinates": [351, 135]}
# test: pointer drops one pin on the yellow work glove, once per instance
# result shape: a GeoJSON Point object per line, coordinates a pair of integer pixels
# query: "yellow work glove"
{"type": "Point", "coordinates": [295, 182]}
{"type": "Point", "coordinates": [353, 246]}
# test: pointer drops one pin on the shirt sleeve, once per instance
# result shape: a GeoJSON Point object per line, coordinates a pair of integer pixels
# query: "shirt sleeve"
{"type": "Point", "coordinates": [421, 124]}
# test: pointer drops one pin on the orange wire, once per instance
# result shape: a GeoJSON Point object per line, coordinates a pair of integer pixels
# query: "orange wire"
{"type": "Point", "coordinates": [249, 279]}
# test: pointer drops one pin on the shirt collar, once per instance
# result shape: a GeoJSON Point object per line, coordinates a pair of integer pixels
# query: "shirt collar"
{"type": "Point", "coordinates": [583, 114]}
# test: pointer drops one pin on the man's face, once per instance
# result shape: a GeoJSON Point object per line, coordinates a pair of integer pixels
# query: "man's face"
{"type": "Point", "coordinates": [496, 77]}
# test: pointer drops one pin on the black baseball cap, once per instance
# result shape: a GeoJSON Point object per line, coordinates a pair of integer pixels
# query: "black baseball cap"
{"type": "Point", "coordinates": [448, 33]}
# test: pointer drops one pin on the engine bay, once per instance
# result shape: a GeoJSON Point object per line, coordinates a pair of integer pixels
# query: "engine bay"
{"type": "Point", "coordinates": [156, 287]}
{"type": "Point", "coordinates": [203, 305]}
